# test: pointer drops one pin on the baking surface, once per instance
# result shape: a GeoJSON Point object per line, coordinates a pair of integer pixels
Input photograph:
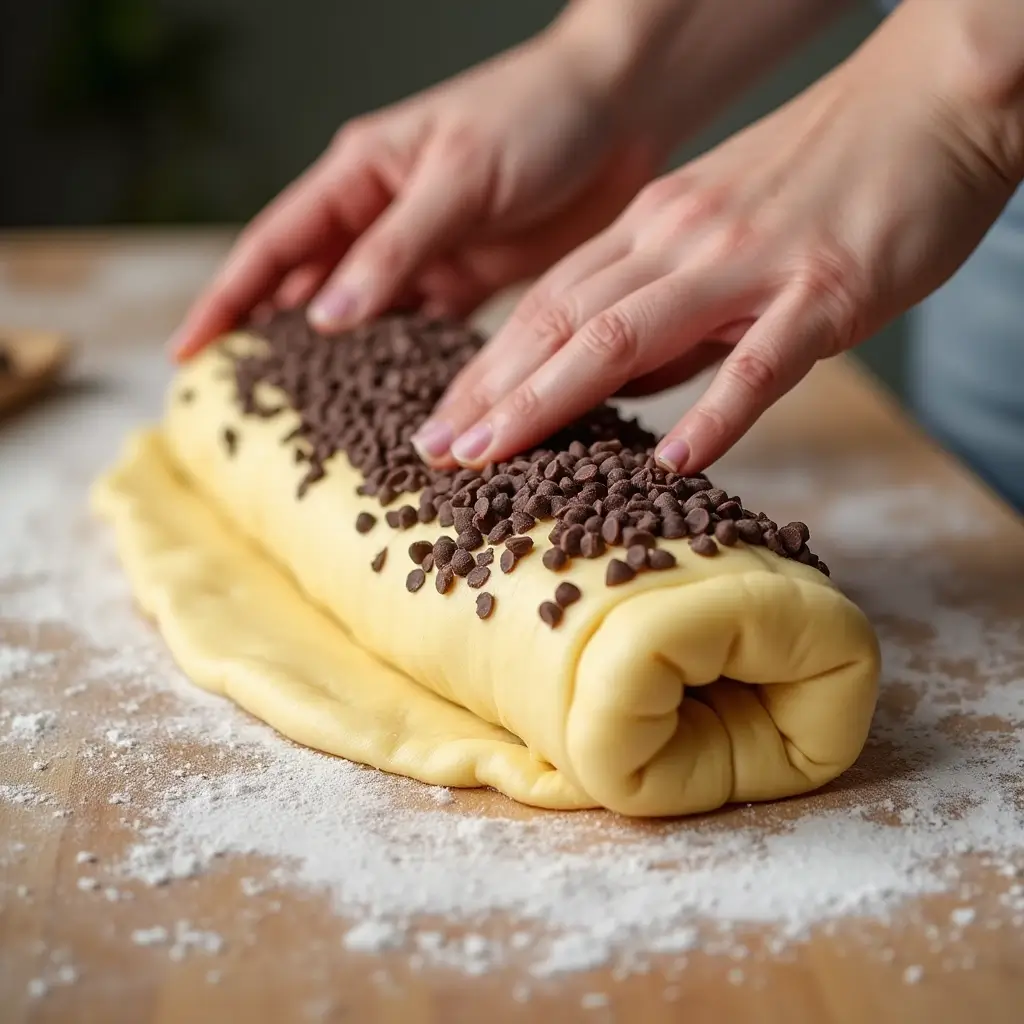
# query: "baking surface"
{"type": "Point", "coordinates": [164, 858]}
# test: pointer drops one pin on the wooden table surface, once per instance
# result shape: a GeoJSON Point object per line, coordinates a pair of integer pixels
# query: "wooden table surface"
{"type": "Point", "coordinates": [882, 502]}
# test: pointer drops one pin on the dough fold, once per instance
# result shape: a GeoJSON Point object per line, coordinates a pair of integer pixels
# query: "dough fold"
{"type": "Point", "coordinates": [740, 677]}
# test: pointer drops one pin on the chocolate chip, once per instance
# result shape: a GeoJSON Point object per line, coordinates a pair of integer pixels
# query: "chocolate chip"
{"type": "Point", "coordinates": [446, 514]}
{"type": "Point", "coordinates": [523, 522]}
{"type": "Point", "coordinates": [555, 559]}
{"type": "Point", "coordinates": [507, 561]}
{"type": "Point", "coordinates": [462, 563]}
{"type": "Point", "coordinates": [673, 527]}
{"type": "Point", "coordinates": [484, 605]}
{"type": "Point", "coordinates": [463, 519]}
{"type": "Point", "coordinates": [485, 557]}
{"type": "Point", "coordinates": [631, 536]}
{"type": "Point", "coordinates": [636, 557]}
{"type": "Point", "coordinates": [444, 548]}
{"type": "Point", "coordinates": [539, 507]}
{"type": "Point", "coordinates": [569, 542]}
{"type": "Point", "coordinates": [379, 559]}
{"type": "Point", "coordinates": [592, 545]}
{"type": "Point", "coordinates": [594, 524]}
{"type": "Point", "coordinates": [659, 559]}
{"type": "Point", "coordinates": [618, 572]}
{"type": "Point", "coordinates": [726, 532]}
{"type": "Point", "coordinates": [419, 549]}
{"type": "Point", "coordinates": [550, 613]}
{"type": "Point", "coordinates": [407, 517]}
{"type": "Point", "coordinates": [749, 531]}
{"type": "Point", "coordinates": [471, 539]}
{"type": "Point", "coordinates": [415, 580]}
{"type": "Point", "coordinates": [230, 437]}
{"type": "Point", "coordinates": [443, 579]}
{"type": "Point", "coordinates": [502, 531]}
{"type": "Point", "coordinates": [428, 563]}
{"type": "Point", "coordinates": [586, 474]}
{"type": "Point", "coordinates": [519, 546]}
{"type": "Point", "coordinates": [478, 576]}
{"type": "Point", "coordinates": [823, 567]}
{"type": "Point", "coordinates": [704, 545]}
{"type": "Point", "coordinates": [365, 522]}
{"type": "Point", "coordinates": [612, 530]}
{"type": "Point", "coordinates": [698, 520]}
{"type": "Point", "coordinates": [566, 594]}
{"type": "Point", "coordinates": [793, 537]}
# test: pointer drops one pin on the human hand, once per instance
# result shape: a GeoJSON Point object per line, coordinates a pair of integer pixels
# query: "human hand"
{"type": "Point", "coordinates": [446, 197]}
{"type": "Point", "coordinates": [787, 244]}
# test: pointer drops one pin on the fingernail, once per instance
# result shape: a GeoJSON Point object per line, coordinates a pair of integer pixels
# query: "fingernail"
{"type": "Point", "coordinates": [332, 310]}
{"type": "Point", "coordinates": [433, 439]}
{"type": "Point", "coordinates": [672, 454]}
{"type": "Point", "coordinates": [473, 443]}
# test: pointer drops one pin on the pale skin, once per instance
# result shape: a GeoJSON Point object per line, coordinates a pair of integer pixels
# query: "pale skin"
{"type": "Point", "coordinates": [790, 242]}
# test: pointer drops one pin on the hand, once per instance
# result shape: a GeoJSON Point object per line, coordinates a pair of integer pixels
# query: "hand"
{"type": "Point", "coordinates": [789, 243]}
{"type": "Point", "coordinates": [445, 198]}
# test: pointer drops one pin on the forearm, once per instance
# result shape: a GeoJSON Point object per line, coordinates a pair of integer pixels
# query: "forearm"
{"type": "Point", "coordinates": [674, 64]}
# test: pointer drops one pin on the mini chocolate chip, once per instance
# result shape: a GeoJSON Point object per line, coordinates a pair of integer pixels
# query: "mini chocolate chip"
{"type": "Point", "coordinates": [726, 532]}
{"type": "Point", "coordinates": [407, 517]}
{"type": "Point", "coordinates": [698, 520]}
{"type": "Point", "coordinates": [426, 514]}
{"type": "Point", "coordinates": [391, 518]}
{"type": "Point", "coordinates": [444, 579]}
{"type": "Point", "coordinates": [502, 531]}
{"type": "Point", "coordinates": [419, 549]}
{"type": "Point", "coordinates": [749, 530]}
{"type": "Point", "coordinates": [592, 545]}
{"type": "Point", "coordinates": [636, 557]}
{"type": "Point", "coordinates": [462, 563]}
{"type": "Point", "coordinates": [586, 474]}
{"type": "Point", "coordinates": [478, 576]}
{"type": "Point", "coordinates": [484, 605]}
{"type": "Point", "coordinates": [471, 539]}
{"type": "Point", "coordinates": [550, 613]}
{"type": "Point", "coordinates": [569, 542]}
{"type": "Point", "coordinates": [523, 522]}
{"type": "Point", "coordinates": [659, 558]}
{"type": "Point", "coordinates": [445, 515]}
{"type": "Point", "coordinates": [428, 562]}
{"type": "Point", "coordinates": [379, 559]}
{"type": "Point", "coordinates": [673, 527]}
{"type": "Point", "coordinates": [555, 559]}
{"type": "Point", "coordinates": [415, 580]}
{"type": "Point", "coordinates": [539, 507]}
{"type": "Point", "coordinates": [230, 437]}
{"type": "Point", "coordinates": [566, 594]}
{"type": "Point", "coordinates": [365, 522]}
{"type": "Point", "coordinates": [632, 536]}
{"type": "Point", "coordinates": [793, 537]}
{"type": "Point", "coordinates": [730, 510]}
{"type": "Point", "coordinates": [485, 557]}
{"type": "Point", "coordinates": [444, 548]}
{"type": "Point", "coordinates": [612, 530]}
{"type": "Point", "coordinates": [618, 572]}
{"type": "Point", "coordinates": [519, 546]}
{"type": "Point", "coordinates": [558, 501]}
{"type": "Point", "coordinates": [594, 524]}
{"type": "Point", "coordinates": [463, 518]}
{"type": "Point", "coordinates": [822, 567]}
{"type": "Point", "coordinates": [704, 545]}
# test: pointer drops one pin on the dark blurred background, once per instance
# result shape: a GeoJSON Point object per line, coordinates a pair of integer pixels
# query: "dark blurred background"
{"type": "Point", "coordinates": [167, 112]}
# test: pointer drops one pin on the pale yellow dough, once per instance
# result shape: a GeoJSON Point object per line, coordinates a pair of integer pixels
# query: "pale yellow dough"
{"type": "Point", "coordinates": [629, 703]}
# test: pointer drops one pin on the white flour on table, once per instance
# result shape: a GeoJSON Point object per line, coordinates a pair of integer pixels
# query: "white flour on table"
{"type": "Point", "coordinates": [410, 868]}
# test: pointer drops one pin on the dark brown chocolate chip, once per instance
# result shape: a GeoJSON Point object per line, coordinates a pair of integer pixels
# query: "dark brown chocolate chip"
{"type": "Point", "coordinates": [379, 559]}
{"type": "Point", "coordinates": [365, 522]}
{"type": "Point", "coordinates": [419, 549]}
{"type": "Point", "coordinates": [484, 605]}
{"type": "Point", "coordinates": [749, 530]}
{"type": "Point", "coordinates": [478, 576]}
{"type": "Point", "coordinates": [673, 527]}
{"type": "Point", "coordinates": [519, 546]}
{"type": "Point", "coordinates": [631, 537]}
{"type": "Point", "coordinates": [463, 518]}
{"type": "Point", "coordinates": [444, 579]}
{"type": "Point", "coordinates": [428, 563]}
{"type": "Point", "coordinates": [704, 545]}
{"type": "Point", "coordinates": [793, 537]}
{"type": "Point", "coordinates": [618, 572]}
{"type": "Point", "coordinates": [586, 474]}
{"type": "Point", "coordinates": [507, 561]}
{"type": "Point", "coordinates": [566, 594]}
{"type": "Point", "coordinates": [471, 539]}
{"type": "Point", "coordinates": [485, 557]}
{"type": "Point", "coordinates": [230, 438]}
{"type": "Point", "coordinates": [501, 532]}
{"type": "Point", "coordinates": [612, 530]}
{"type": "Point", "coordinates": [698, 520]}
{"type": "Point", "coordinates": [444, 548]}
{"type": "Point", "coordinates": [550, 613]}
{"type": "Point", "coordinates": [555, 559]}
{"type": "Point", "coordinates": [636, 557]}
{"type": "Point", "coordinates": [659, 559]}
{"type": "Point", "coordinates": [594, 524]}
{"type": "Point", "coordinates": [823, 567]}
{"type": "Point", "coordinates": [426, 514]}
{"type": "Point", "coordinates": [539, 507]}
{"type": "Point", "coordinates": [415, 580]}
{"type": "Point", "coordinates": [726, 532]}
{"type": "Point", "coordinates": [391, 518]}
{"type": "Point", "coordinates": [523, 522]}
{"type": "Point", "coordinates": [446, 515]}
{"type": "Point", "coordinates": [462, 563]}
{"type": "Point", "coordinates": [407, 517]}
{"type": "Point", "coordinates": [570, 541]}
{"type": "Point", "coordinates": [592, 545]}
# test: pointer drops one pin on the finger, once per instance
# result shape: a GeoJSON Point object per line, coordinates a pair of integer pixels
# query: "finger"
{"type": "Point", "coordinates": [426, 217]}
{"type": "Point", "coordinates": [623, 341]}
{"type": "Point", "coordinates": [504, 365]}
{"type": "Point", "coordinates": [302, 284]}
{"type": "Point", "coordinates": [677, 372]}
{"type": "Point", "coordinates": [776, 353]}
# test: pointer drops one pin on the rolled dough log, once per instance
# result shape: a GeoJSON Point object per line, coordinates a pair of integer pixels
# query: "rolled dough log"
{"type": "Point", "coordinates": [741, 677]}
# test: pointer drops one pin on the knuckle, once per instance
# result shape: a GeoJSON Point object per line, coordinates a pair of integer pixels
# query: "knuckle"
{"type": "Point", "coordinates": [751, 372]}
{"type": "Point", "coordinates": [831, 282]}
{"type": "Point", "coordinates": [553, 326]}
{"type": "Point", "coordinates": [728, 240]}
{"type": "Point", "coordinates": [657, 194]}
{"type": "Point", "coordinates": [386, 255]}
{"type": "Point", "coordinates": [462, 148]}
{"type": "Point", "coordinates": [698, 206]}
{"type": "Point", "coordinates": [354, 134]}
{"type": "Point", "coordinates": [523, 402]}
{"type": "Point", "coordinates": [612, 338]}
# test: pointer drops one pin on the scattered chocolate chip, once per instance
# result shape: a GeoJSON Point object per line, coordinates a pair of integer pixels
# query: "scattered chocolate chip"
{"type": "Point", "coordinates": [570, 541]}
{"type": "Point", "coordinates": [471, 539]}
{"type": "Point", "coordinates": [444, 548]}
{"type": "Point", "coordinates": [550, 613]}
{"type": "Point", "coordinates": [523, 522]}
{"type": "Point", "coordinates": [507, 561]}
{"type": "Point", "coordinates": [419, 549]}
{"type": "Point", "coordinates": [407, 517]}
{"type": "Point", "coordinates": [618, 572]}
{"type": "Point", "coordinates": [444, 579]}
{"type": "Point", "coordinates": [592, 545]}
{"type": "Point", "coordinates": [501, 532]}
{"type": "Point", "coordinates": [698, 520]}
{"type": "Point", "coordinates": [462, 563]}
{"type": "Point", "coordinates": [379, 559]}
{"type": "Point", "coordinates": [428, 562]}
{"type": "Point", "coordinates": [673, 527]}
{"type": "Point", "coordinates": [415, 580]}
{"type": "Point", "coordinates": [659, 558]}
{"type": "Point", "coordinates": [230, 438]}
{"type": "Point", "coordinates": [566, 594]}
{"type": "Point", "coordinates": [631, 537]}
{"type": "Point", "coordinates": [726, 532]}
{"type": "Point", "coordinates": [478, 576]}
{"type": "Point", "coordinates": [446, 515]}
{"type": "Point", "coordinates": [365, 522]}
{"type": "Point", "coordinates": [484, 605]}
{"type": "Point", "coordinates": [539, 507]}
{"type": "Point", "coordinates": [793, 537]}
{"type": "Point", "coordinates": [636, 557]}
{"type": "Point", "coordinates": [749, 531]}
{"type": "Point", "coordinates": [612, 530]}
{"type": "Point", "coordinates": [704, 545]}
{"type": "Point", "coordinates": [485, 557]}
{"type": "Point", "coordinates": [519, 546]}
{"type": "Point", "coordinates": [555, 559]}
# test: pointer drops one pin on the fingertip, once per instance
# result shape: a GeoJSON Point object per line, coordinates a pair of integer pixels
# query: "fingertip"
{"type": "Point", "coordinates": [673, 453]}
{"type": "Point", "coordinates": [333, 310]}
{"type": "Point", "coordinates": [433, 441]}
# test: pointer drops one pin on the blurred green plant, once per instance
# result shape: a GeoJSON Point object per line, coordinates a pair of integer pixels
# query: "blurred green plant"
{"type": "Point", "coordinates": [133, 74]}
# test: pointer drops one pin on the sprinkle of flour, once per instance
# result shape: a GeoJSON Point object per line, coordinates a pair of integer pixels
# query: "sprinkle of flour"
{"type": "Point", "coordinates": [406, 867]}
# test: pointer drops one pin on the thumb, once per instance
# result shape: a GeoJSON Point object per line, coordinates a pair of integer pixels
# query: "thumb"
{"type": "Point", "coordinates": [444, 196]}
